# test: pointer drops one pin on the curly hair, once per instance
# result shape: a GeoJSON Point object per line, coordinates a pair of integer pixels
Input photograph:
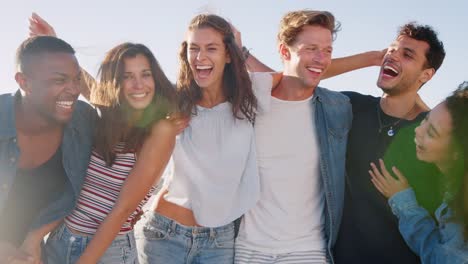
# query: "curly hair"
{"type": "Point", "coordinates": [237, 86]}
{"type": "Point", "coordinates": [293, 22]}
{"type": "Point", "coordinates": [436, 53]}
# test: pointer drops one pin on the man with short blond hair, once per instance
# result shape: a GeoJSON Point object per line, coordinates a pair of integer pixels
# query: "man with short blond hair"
{"type": "Point", "coordinates": [301, 140]}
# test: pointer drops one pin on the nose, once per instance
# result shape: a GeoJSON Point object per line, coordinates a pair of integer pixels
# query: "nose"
{"type": "Point", "coordinates": [200, 55]}
{"type": "Point", "coordinates": [137, 83]}
{"type": "Point", "coordinates": [76, 85]}
{"type": "Point", "coordinates": [321, 56]}
{"type": "Point", "coordinates": [419, 130]}
{"type": "Point", "coordinates": [393, 53]}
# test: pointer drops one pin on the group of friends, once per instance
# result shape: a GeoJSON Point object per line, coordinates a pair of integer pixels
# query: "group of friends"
{"type": "Point", "coordinates": [266, 167]}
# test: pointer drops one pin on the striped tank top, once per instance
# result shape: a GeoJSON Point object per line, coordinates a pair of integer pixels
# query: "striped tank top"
{"type": "Point", "coordinates": [100, 191]}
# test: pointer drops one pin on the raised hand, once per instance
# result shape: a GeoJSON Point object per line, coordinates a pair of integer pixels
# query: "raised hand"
{"type": "Point", "coordinates": [39, 27]}
{"type": "Point", "coordinates": [385, 182]}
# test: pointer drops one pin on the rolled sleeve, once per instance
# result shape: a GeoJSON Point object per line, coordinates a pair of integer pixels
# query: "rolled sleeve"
{"type": "Point", "coordinates": [402, 201]}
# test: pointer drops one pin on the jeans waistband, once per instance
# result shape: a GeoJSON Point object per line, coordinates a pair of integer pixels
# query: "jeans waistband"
{"type": "Point", "coordinates": [171, 225]}
{"type": "Point", "coordinates": [65, 234]}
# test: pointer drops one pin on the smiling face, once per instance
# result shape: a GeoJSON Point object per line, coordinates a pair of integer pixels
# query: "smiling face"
{"type": "Point", "coordinates": [434, 137]}
{"type": "Point", "coordinates": [309, 56]}
{"type": "Point", "coordinates": [207, 57]}
{"type": "Point", "coordinates": [51, 84]}
{"type": "Point", "coordinates": [138, 83]}
{"type": "Point", "coordinates": [404, 66]}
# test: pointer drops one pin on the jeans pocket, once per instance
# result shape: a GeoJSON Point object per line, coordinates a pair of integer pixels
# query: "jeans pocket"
{"type": "Point", "coordinates": [153, 233]}
{"type": "Point", "coordinates": [224, 241]}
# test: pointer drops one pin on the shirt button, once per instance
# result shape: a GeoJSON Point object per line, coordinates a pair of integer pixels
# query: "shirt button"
{"type": "Point", "coordinates": [14, 140]}
{"type": "Point", "coordinates": [12, 159]}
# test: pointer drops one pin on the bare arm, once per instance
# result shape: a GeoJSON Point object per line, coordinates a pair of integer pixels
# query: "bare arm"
{"type": "Point", "coordinates": [10, 254]}
{"type": "Point", "coordinates": [39, 27]}
{"type": "Point", "coordinates": [153, 158]}
{"type": "Point", "coordinates": [354, 62]}
{"type": "Point", "coordinates": [32, 244]}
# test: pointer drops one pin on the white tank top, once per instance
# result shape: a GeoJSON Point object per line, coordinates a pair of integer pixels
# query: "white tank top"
{"type": "Point", "coordinates": [215, 170]}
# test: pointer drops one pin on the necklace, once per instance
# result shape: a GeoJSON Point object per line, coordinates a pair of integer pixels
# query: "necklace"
{"type": "Point", "coordinates": [390, 131]}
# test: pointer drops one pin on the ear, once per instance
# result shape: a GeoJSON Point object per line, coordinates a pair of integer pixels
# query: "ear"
{"type": "Point", "coordinates": [284, 51]}
{"type": "Point", "coordinates": [22, 82]}
{"type": "Point", "coordinates": [426, 75]}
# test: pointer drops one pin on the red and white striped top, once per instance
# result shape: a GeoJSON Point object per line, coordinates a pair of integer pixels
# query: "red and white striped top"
{"type": "Point", "coordinates": [101, 190]}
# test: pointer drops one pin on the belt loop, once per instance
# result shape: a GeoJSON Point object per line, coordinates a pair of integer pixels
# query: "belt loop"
{"type": "Point", "coordinates": [59, 231]}
{"type": "Point", "coordinates": [131, 239]}
{"type": "Point", "coordinates": [173, 226]}
{"type": "Point", "coordinates": [212, 233]}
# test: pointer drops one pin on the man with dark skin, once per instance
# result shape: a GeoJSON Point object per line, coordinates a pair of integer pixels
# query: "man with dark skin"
{"type": "Point", "coordinates": [45, 145]}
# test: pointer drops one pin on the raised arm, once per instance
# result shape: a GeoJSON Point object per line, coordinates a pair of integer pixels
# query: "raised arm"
{"type": "Point", "coordinates": [354, 62]}
{"type": "Point", "coordinates": [39, 27]}
{"type": "Point", "coordinates": [151, 163]}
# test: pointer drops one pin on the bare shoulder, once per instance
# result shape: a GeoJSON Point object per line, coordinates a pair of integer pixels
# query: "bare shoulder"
{"type": "Point", "coordinates": [163, 128]}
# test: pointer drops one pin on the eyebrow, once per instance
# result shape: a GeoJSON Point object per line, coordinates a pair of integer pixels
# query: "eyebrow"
{"type": "Point", "coordinates": [61, 74]}
{"type": "Point", "coordinates": [209, 44]}
{"type": "Point", "coordinates": [412, 51]}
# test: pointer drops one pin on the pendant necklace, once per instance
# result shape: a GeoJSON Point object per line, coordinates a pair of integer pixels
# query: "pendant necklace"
{"type": "Point", "coordinates": [390, 131]}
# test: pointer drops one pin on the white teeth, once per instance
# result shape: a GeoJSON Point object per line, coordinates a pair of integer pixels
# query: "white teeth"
{"type": "Point", "coordinates": [202, 67]}
{"type": "Point", "coordinates": [315, 70]}
{"type": "Point", "coordinates": [386, 67]}
{"type": "Point", "coordinates": [140, 95]}
{"type": "Point", "coordinates": [65, 104]}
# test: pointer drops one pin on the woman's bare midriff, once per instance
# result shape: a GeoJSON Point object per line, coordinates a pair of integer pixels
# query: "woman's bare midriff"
{"type": "Point", "coordinates": [173, 211]}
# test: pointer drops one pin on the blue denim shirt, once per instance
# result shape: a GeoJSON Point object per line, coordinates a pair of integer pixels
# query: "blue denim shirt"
{"type": "Point", "coordinates": [76, 151]}
{"type": "Point", "coordinates": [435, 242]}
{"type": "Point", "coordinates": [333, 119]}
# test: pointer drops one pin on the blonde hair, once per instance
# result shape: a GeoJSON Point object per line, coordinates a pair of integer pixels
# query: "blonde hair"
{"type": "Point", "coordinates": [293, 22]}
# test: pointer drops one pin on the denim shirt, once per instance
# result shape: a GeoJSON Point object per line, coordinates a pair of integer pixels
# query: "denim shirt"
{"type": "Point", "coordinates": [435, 242]}
{"type": "Point", "coordinates": [333, 117]}
{"type": "Point", "coordinates": [76, 150]}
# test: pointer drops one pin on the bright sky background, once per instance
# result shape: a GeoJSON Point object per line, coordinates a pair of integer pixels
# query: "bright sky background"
{"type": "Point", "coordinates": [93, 27]}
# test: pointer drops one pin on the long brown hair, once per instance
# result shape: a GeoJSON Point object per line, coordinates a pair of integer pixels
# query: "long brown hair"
{"type": "Point", "coordinates": [237, 86]}
{"type": "Point", "coordinates": [457, 105]}
{"type": "Point", "coordinates": [116, 124]}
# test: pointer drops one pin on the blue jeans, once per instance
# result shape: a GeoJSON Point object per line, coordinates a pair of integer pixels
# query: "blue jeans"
{"type": "Point", "coordinates": [63, 247]}
{"type": "Point", "coordinates": [162, 240]}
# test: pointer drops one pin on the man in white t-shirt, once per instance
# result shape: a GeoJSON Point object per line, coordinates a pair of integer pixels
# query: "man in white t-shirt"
{"type": "Point", "coordinates": [301, 134]}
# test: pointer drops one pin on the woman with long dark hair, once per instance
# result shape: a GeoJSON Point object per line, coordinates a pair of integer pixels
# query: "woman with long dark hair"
{"type": "Point", "coordinates": [441, 139]}
{"type": "Point", "coordinates": [133, 143]}
{"type": "Point", "coordinates": [215, 179]}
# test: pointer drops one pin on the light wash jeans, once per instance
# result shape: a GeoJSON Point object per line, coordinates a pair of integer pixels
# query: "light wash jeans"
{"type": "Point", "coordinates": [64, 247]}
{"type": "Point", "coordinates": [162, 240]}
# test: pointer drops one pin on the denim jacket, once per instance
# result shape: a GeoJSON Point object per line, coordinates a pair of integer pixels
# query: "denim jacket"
{"type": "Point", "coordinates": [333, 119]}
{"type": "Point", "coordinates": [76, 151]}
{"type": "Point", "coordinates": [435, 242]}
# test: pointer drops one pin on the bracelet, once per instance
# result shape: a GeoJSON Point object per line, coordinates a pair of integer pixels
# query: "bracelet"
{"type": "Point", "coordinates": [245, 52]}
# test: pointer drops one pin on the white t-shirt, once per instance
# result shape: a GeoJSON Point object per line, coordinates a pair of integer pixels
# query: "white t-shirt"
{"type": "Point", "coordinates": [289, 215]}
{"type": "Point", "coordinates": [215, 171]}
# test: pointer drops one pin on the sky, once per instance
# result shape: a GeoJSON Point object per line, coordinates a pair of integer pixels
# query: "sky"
{"type": "Point", "coordinates": [94, 27]}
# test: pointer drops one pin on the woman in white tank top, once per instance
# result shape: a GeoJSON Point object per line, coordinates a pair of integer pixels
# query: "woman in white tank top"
{"type": "Point", "coordinates": [215, 178]}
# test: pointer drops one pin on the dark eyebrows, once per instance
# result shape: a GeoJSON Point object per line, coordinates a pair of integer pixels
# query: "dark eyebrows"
{"type": "Point", "coordinates": [208, 45]}
{"type": "Point", "coordinates": [410, 50]}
